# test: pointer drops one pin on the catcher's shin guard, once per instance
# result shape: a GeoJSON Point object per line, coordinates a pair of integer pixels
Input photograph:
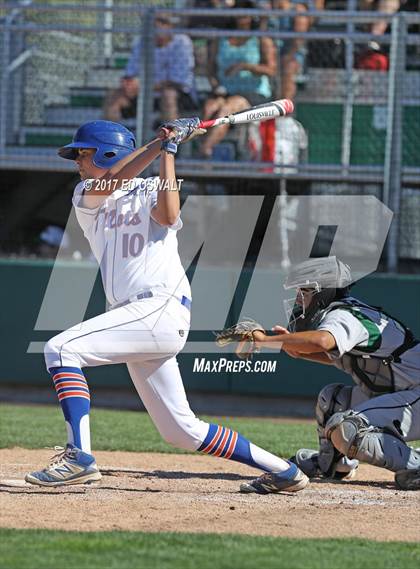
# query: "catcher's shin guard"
{"type": "Point", "coordinates": [353, 436]}
{"type": "Point", "coordinates": [332, 398]}
{"type": "Point", "coordinates": [309, 462]}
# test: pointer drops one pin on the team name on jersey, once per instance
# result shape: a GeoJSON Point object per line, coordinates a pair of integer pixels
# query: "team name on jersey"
{"type": "Point", "coordinates": [112, 220]}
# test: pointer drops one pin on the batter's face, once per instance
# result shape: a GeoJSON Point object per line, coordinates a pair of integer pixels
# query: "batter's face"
{"type": "Point", "coordinates": [87, 168]}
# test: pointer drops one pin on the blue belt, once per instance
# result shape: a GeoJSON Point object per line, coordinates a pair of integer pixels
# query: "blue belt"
{"type": "Point", "coordinates": [185, 301]}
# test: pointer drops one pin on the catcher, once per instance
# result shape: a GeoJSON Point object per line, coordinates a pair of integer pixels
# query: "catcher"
{"type": "Point", "coordinates": [371, 421]}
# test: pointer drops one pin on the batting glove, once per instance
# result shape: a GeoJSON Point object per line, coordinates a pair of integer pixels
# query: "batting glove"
{"type": "Point", "coordinates": [181, 130]}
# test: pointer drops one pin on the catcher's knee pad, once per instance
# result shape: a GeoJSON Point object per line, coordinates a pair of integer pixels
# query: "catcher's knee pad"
{"type": "Point", "coordinates": [332, 398]}
{"type": "Point", "coordinates": [344, 431]}
{"type": "Point", "coordinates": [352, 435]}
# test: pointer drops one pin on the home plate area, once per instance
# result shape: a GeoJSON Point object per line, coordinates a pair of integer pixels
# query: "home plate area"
{"type": "Point", "coordinates": [187, 493]}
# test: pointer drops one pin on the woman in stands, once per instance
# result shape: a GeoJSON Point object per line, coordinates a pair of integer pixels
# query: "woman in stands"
{"type": "Point", "coordinates": [240, 69]}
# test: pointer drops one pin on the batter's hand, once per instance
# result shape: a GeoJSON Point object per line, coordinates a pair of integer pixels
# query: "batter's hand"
{"type": "Point", "coordinates": [181, 130]}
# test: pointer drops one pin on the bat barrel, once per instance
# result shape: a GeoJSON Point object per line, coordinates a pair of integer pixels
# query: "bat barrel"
{"type": "Point", "coordinates": [259, 113]}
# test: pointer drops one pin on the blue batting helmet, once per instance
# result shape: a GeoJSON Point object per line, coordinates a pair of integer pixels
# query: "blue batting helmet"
{"type": "Point", "coordinates": [111, 140]}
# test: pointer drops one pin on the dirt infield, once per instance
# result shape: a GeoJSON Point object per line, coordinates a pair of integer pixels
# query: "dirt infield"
{"type": "Point", "coordinates": [161, 492]}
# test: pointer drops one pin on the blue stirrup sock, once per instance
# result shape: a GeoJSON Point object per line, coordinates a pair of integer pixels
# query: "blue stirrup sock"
{"type": "Point", "coordinates": [73, 394]}
{"type": "Point", "coordinates": [225, 443]}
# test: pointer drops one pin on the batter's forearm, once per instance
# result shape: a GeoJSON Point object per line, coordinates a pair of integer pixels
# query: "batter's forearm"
{"type": "Point", "coordinates": [135, 163]}
{"type": "Point", "coordinates": [120, 175]}
{"type": "Point", "coordinates": [166, 211]}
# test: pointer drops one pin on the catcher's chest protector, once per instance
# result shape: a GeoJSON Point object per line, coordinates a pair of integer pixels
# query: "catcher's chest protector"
{"type": "Point", "coordinates": [372, 365]}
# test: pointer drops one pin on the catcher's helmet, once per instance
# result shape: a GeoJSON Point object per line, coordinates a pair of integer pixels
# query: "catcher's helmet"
{"type": "Point", "coordinates": [320, 273]}
{"type": "Point", "coordinates": [111, 140]}
{"type": "Point", "coordinates": [327, 277]}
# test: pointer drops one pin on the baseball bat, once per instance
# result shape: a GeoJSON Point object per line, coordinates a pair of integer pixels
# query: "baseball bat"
{"type": "Point", "coordinates": [258, 113]}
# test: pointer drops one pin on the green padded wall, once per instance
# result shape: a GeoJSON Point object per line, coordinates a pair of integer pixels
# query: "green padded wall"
{"type": "Point", "coordinates": [24, 283]}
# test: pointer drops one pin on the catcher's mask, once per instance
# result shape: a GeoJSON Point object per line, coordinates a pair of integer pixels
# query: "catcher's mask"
{"type": "Point", "coordinates": [317, 283]}
{"type": "Point", "coordinates": [112, 141]}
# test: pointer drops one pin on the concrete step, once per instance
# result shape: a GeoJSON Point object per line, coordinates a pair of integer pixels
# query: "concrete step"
{"type": "Point", "coordinates": [106, 78]}
{"type": "Point", "coordinates": [87, 97]}
{"type": "Point", "coordinates": [120, 60]}
{"type": "Point", "coordinates": [45, 136]}
{"type": "Point", "coordinates": [54, 136]}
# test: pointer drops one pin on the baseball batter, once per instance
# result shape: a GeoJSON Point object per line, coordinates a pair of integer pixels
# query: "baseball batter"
{"type": "Point", "coordinates": [373, 420]}
{"type": "Point", "coordinates": [131, 224]}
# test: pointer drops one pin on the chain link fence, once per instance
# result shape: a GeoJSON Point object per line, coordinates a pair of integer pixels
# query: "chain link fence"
{"type": "Point", "coordinates": [356, 126]}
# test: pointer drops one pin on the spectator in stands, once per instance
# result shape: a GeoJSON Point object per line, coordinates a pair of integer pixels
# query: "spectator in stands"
{"type": "Point", "coordinates": [50, 241]}
{"type": "Point", "coordinates": [214, 22]}
{"type": "Point", "coordinates": [379, 27]}
{"type": "Point", "coordinates": [240, 69]}
{"type": "Point", "coordinates": [291, 52]}
{"type": "Point", "coordinates": [371, 58]}
{"type": "Point", "coordinates": [173, 77]}
{"type": "Point", "coordinates": [214, 4]}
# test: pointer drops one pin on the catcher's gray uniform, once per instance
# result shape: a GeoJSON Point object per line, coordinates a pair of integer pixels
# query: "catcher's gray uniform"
{"type": "Point", "coordinates": [372, 420]}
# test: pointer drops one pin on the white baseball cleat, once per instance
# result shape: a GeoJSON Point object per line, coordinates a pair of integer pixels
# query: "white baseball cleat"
{"type": "Point", "coordinates": [290, 480]}
{"type": "Point", "coordinates": [69, 466]}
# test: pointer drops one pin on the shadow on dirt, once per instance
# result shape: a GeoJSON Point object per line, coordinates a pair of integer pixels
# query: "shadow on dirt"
{"type": "Point", "coordinates": [175, 474]}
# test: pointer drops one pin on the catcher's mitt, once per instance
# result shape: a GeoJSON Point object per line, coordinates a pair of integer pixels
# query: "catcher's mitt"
{"type": "Point", "coordinates": [241, 332]}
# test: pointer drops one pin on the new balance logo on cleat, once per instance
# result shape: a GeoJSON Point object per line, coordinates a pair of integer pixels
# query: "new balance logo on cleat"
{"type": "Point", "coordinates": [70, 466]}
{"type": "Point", "coordinates": [292, 480]}
{"type": "Point", "coordinates": [65, 469]}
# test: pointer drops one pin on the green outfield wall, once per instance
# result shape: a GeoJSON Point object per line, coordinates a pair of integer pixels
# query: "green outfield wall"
{"type": "Point", "coordinates": [23, 284]}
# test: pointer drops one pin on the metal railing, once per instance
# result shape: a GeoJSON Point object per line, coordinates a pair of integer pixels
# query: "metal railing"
{"type": "Point", "coordinates": [58, 60]}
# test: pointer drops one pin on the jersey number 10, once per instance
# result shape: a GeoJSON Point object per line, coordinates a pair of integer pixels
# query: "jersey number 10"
{"type": "Point", "coordinates": [132, 244]}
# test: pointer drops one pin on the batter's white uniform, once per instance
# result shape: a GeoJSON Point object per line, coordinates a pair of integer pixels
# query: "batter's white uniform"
{"type": "Point", "coordinates": [149, 296]}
